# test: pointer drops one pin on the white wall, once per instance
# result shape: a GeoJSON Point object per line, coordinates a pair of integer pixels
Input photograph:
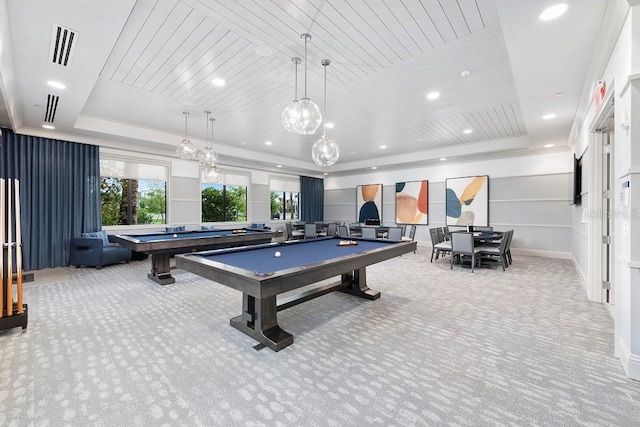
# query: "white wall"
{"type": "Point", "coordinates": [528, 193]}
{"type": "Point", "coordinates": [621, 78]}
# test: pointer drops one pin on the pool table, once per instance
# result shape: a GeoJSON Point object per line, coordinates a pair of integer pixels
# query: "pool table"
{"type": "Point", "coordinates": [161, 246]}
{"type": "Point", "coordinates": [260, 274]}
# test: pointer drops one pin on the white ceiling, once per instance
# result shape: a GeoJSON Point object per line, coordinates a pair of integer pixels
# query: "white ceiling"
{"type": "Point", "coordinates": [137, 65]}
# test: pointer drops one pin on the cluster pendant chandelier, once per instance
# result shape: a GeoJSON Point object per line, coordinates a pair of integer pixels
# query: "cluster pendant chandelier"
{"type": "Point", "coordinates": [207, 157]}
{"type": "Point", "coordinates": [291, 113]}
{"type": "Point", "coordinates": [325, 151]}
{"type": "Point", "coordinates": [186, 149]}
{"type": "Point", "coordinates": [302, 116]}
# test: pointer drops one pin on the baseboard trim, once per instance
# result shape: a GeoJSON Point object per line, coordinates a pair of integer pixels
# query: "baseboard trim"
{"type": "Point", "coordinates": [541, 253]}
{"type": "Point", "coordinates": [583, 276]}
{"type": "Point", "coordinates": [530, 252]}
{"type": "Point", "coordinates": [630, 362]}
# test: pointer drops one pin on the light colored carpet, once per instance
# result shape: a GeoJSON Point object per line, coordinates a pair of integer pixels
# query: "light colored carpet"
{"type": "Point", "coordinates": [517, 348]}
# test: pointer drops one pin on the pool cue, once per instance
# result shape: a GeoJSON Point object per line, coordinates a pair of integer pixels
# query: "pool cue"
{"type": "Point", "coordinates": [18, 247]}
{"type": "Point", "coordinates": [9, 295]}
{"type": "Point", "coordinates": [2, 246]}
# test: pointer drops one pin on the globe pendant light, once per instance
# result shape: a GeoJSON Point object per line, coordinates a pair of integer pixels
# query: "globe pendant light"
{"type": "Point", "coordinates": [325, 151]}
{"type": "Point", "coordinates": [186, 149]}
{"type": "Point", "coordinates": [211, 172]}
{"type": "Point", "coordinates": [310, 118]}
{"type": "Point", "coordinates": [291, 114]}
{"type": "Point", "coordinates": [208, 157]}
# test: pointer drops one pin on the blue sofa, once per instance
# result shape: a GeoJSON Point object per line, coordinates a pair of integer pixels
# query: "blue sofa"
{"type": "Point", "coordinates": [96, 250]}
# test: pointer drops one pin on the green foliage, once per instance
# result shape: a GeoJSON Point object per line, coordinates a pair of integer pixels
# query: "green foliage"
{"type": "Point", "coordinates": [153, 204]}
{"type": "Point", "coordinates": [111, 190]}
{"type": "Point", "coordinates": [149, 207]}
{"type": "Point", "coordinates": [226, 203]}
{"type": "Point", "coordinates": [276, 206]}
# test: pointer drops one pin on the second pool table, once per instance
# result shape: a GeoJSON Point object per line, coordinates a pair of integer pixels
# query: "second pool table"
{"type": "Point", "coordinates": [161, 246]}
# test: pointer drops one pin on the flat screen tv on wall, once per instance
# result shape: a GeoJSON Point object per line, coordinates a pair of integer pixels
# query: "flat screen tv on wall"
{"type": "Point", "coordinates": [577, 180]}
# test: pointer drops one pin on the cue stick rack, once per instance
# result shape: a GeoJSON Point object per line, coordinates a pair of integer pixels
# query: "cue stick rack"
{"type": "Point", "coordinates": [13, 312]}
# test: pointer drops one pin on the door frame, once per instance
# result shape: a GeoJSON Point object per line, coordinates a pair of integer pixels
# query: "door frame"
{"type": "Point", "coordinates": [596, 138]}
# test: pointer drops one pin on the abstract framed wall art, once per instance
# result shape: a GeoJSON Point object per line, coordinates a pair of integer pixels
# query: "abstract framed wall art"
{"type": "Point", "coordinates": [412, 202]}
{"type": "Point", "coordinates": [467, 200]}
{"type": "Point", "coordinates": [369, 202]}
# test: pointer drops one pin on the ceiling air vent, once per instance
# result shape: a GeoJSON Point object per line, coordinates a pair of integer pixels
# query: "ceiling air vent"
{"type": "Point", "coordinates": [52, 106]}
{"type": "Point", "coordinates": [63, 43]}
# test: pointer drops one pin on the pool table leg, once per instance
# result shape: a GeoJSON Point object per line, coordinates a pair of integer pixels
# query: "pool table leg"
{"type": "Point", "coordinates": [357, 285]}
{"type": "Point", "coordinates": [259, 320]}
{"type": "Point", "coordinates": [161, 269]}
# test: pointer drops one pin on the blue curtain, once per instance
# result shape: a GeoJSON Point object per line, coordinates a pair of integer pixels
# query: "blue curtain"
{"type": "Point", "coordinates": [59, 194]}
{"type": "Point", "coordinates": [311, 199]}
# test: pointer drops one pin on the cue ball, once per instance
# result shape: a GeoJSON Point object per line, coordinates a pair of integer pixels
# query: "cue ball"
{"type": "Point", "coordinates": [277, 254]}
{"type": "Point", "coordinates": [175, 235]}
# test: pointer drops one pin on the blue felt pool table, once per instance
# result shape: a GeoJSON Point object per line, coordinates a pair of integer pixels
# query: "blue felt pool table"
{"type": "Point", "coordinates": [161, 246]}
{"type": "Point", "coordinates": [260, 274]}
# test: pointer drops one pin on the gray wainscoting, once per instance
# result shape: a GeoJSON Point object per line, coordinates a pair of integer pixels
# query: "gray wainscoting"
{"type": "Point", "coordinates": [185, 201]}
{"type": "Point", "coordinates": [260, 203]}
{"type": "Point", "coordinates": [537, 207]}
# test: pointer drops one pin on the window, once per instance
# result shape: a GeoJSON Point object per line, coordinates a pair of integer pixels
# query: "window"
{"type": "Point", "coordinates": [285, 199]}
{"type": "Point", "coordinates": [132, 192]}
{"type": "Point", "coordinates": [225, 202]}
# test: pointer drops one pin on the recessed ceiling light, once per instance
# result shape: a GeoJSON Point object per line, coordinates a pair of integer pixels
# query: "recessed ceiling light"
{"type": "Point", "coordinates": [382, 147]}
{"type": "Point", "coordinates": [548, 146]}
{"type": "Point", "coordinates": [467, 131]}
{"type": "Point", "coordinates": [553, 12]}
{"type": "Point", "coordinates": [549, 116]}
{"type": "Point", "coordinates": [558, 94]}
{"type": "Point", "coordinates": [278, 166]}
{"type": "Point", "coordinates": [326, 173]}
{"type": "Point", "coordinates": [465, 73]}
{"type": "Point", "coordinates": [48, 127]}
{"type": "Point", "coordinates": [56, 85]}
{"type": "Point", "coordinates": [442, 159]}
{"type": "Point", "coordinates": [353, 152]}
{"type": "Point", "coordinates": [267, 142]}
{"type": "Point", "coordinates": [374, 167]}
{"type": "Point", "coordinates": [244, 143]}
{"type": "Point", "coordinates": [218, 82]}
{"type": "Point", "coordinates": [329, 125]}
{"type": "Point", "coordinates": [433, 95]}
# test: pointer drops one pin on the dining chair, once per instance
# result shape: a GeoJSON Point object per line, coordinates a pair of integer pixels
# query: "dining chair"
{"type": "Point", "coordinates": [293, 234]}
{"type": "Point", "coordinates": [394, 233]}
{"type": "Point", "coordinates": [462, 244]}
{"type": "Point", "coordinates": [355, 229]}
{"type": "Point", "coordinates": [369, 233]}
{"type": "Point", "coordinates": [499, 251]}
{"type": "Point", "coordinates": [343, 231]}
{"type": "Point", "coordinates": [438, 246]}
{"type": "Point", "coordinates": [409, 233]}
{"type": "Point", "coordinates": [482, 228]}
{"type": "Point", "coordinates": [507, 249]}
{"type": "Point", "coordinates": [310, 231]}
{"type": "Point", "coordinates": [332, 229]}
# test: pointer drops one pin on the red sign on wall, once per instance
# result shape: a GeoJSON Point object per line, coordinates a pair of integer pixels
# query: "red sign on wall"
{"type": "Point", "coordinates": [598, 96]}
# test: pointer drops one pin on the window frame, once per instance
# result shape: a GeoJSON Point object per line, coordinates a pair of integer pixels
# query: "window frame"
{"type": "Point", "coordinates": [224, 173]}
{"type": "Point", "coordinates": [152, 162]}
{"type": "Point", "coordinates": [285, 181]}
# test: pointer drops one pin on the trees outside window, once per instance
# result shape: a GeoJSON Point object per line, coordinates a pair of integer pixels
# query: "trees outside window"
{"type": "Point", "coordinates": [224, 203]}
{"type": "Point", "coordinates": [133, 201]}
{"type": "Point", "coordinates": [285, 205]}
